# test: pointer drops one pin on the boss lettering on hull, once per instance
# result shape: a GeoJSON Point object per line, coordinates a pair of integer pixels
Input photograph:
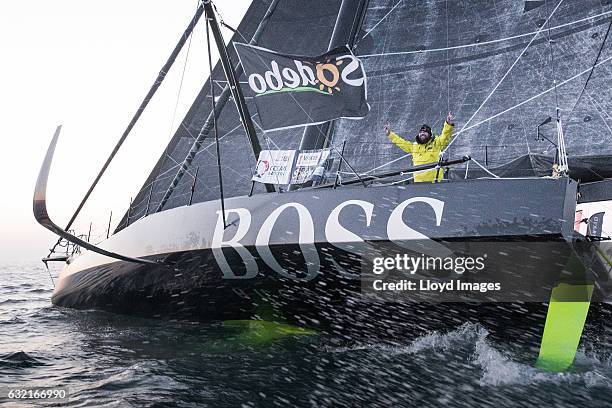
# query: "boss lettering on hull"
{"type": "Point", "coordinates": [334, 232]}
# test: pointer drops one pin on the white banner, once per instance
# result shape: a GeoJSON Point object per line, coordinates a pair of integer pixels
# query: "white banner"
{"type": "Point", "coordinates": [274, 166]}
{"type": "Point", "coordinates": [307, 163]}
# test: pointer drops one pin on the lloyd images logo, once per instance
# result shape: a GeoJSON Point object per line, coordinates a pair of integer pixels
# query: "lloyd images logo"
{"type": "Point", "coordinates": [291, 91]}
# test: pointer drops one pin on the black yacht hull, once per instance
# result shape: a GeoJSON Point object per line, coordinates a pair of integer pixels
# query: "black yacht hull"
{"type": "Point", "coordinates": [299, 256]}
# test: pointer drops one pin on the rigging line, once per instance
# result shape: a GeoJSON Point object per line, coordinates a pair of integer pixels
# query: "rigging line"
{"type": "Point", "coordinates": [217, 81]}
{"type": "Point", "coordinates": [275, 145]}
{"type": "Point", "coordinates": [562, 150]}
{"type": "Point", "coordinates": [174, 167]}
{"type": "Point", "coordinates": [545, 151]}
{"type": "Point", "coordinates": [327, 140]}
{"type": "Point", "coordinates": [272, 140]}
{"type": "Point", "coordinates": [380, 21]}
{"type": "Point", "coordinates": [237, 173]}
{"type": "Point", "coordinates": [165, 156]}
{"type": "Point", "coordinates": [222, 137]}
{"type": "Point", "coordinates": [484, 168]}
{"type": "Point", "coordinates": [177, 164]}
{"type": "Point", "coordinates": [224, 97]}
{"type": "Point", "coordinates": [593, 102]}
{"type": "Point", "coordinates": [268, 144]}
{"type": "Point", "coordinates": [213, 108]}
{"type": "Point", "coordinates": [267, 139]}
{"type": "Point", "coordinates": [141, 201]}
{"type": "Point", "coordinates": [199, 151]}
{"type": "Point", "coordinates": [456, 47]}
{"type": "Point", "coordinates": [221, 21]}
{"type": "Point", "coordinates": [554, 72]}
{"type": "Point", "coordinates": [180, 88]}
{"type": "Point", "coordinates": [518, 58]}
{"type": "Point", "coordinates": [386, 164]}
{"type": "Point", "coordinates": [158, 81]}
{"type": "Point", "coordinates": [48, 270]}
{"type": "Point", "coordinates": [592, 68]}
{"type": "Point", "coordinates": [465, 129]}
{"type": "Point", "coordinates": [599, 105]}
{"type": "Point", "coordinates": [521, 115]}
{"type": "Point", "coordinates": [233, 77]}
{"type": "Point", "coordinates": [448, 65]}
{"type": "Point", "coordinates": [599, 113]}
{"type": "Point", "coordinates": [243, 39]}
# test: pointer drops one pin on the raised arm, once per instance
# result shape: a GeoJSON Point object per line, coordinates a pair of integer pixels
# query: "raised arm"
{"type": "Point", "coordinates": [447, 131]}
{"type": "Point", "coordinates": [397, 140]}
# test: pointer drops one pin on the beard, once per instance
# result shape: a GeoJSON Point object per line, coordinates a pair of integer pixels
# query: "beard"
{"type": "Point", "coordinates": [423, 138]}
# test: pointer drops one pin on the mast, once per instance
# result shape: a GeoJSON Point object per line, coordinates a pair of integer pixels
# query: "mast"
{"type": "Point", "coordinates": [222, 100]}
{"type": "Point", "coordinates": [346, 28]}
{"type": "Point", "coordinates": [232, 79]}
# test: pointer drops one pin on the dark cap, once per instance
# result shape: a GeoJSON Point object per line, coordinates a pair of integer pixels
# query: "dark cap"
{"type": "Point", "coordinates": [426, 128]}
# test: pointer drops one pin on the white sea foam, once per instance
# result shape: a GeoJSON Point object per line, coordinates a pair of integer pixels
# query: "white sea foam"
{"type": "Point", "coordinates": [497, 367]}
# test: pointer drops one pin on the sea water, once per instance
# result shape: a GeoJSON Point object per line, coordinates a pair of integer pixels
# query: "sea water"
{"type": "Point", "coordinates": [107, 360]}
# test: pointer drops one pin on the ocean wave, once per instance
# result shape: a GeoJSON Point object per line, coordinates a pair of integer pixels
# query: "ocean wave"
{"type": "Point", "coordinates": [148, 377]}
{"type": "Point", "coordinates": [13, 320]}
{"type": "Point", "coordinates": [497, 367]}
{"type": "Point", "coordinates": [434, 340]}
{"type": "Point", "coordinates": [20, 359]}
{"type": "Point", "coordinates": [12, 301]}
{"type": "Point", "coordinates": [40, 290]}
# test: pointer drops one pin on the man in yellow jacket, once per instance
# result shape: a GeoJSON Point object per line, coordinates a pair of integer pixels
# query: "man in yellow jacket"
{"type": "Point", "coordinates": [426, 148]}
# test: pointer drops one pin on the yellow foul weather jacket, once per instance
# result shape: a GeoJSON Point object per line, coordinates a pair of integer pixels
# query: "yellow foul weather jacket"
{"type": "Point", "coordinates": [425, 153]}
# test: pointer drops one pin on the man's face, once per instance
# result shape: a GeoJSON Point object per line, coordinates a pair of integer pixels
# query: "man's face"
{"type": "Point", "coordinates": [424, 135]}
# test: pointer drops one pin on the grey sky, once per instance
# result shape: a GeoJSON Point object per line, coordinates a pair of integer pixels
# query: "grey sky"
{"type": "Point", "coordinates": [86, 65]}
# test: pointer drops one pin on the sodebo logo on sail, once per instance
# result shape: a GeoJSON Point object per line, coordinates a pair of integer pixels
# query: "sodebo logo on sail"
{"type": "Point", "coordinates": [322, 77]}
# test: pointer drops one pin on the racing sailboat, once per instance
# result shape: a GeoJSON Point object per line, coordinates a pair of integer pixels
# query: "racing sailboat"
{"type": "Point", "coordinates": [202, 241]}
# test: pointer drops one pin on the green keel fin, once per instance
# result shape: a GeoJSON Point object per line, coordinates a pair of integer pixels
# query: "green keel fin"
{"type": "Point", "coordinates": [567, 312]}
{"type": "Point", "coordinates": [259, 332]}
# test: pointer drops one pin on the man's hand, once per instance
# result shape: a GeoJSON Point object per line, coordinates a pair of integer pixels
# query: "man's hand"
{"type": "Point", "coordinates": [450, 119]}
{"type": "Point", "coordinates": [387, 128]}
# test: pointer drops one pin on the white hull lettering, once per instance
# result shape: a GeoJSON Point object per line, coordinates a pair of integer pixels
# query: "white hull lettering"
{"type": "Point", "coordinates": [409, 238]}
{"type": "Point", "coordinates": [305, 239]}
{"type": "Point", "coordinates": [244, 217]}
{"type": "Point", "coordinates": [344, 239]}
{"type": "Point", "coordinates": [335, 233]}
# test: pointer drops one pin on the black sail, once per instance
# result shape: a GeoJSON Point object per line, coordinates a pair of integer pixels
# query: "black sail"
{"type": "Point", "coordinates": [424, 59]}
{"type": "Point", "coordinates": [502, 67]}
{"type": "Point", "coordinates": [295, 27]}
